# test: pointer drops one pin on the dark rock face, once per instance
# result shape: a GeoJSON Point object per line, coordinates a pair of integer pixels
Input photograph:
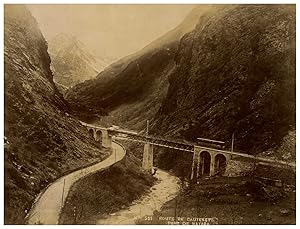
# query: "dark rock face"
{"type": "Point", "coordinates": [44, 141]}
{"type": "Point", "coordinates": [234, 73]}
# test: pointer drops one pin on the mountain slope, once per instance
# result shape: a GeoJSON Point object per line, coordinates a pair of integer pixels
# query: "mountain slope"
{"type": "Point", "coordinates": [72, 62]}
{"type": "Point", "coordinates": [235, 73]}
{"type": "Point", "coordinates": [135, 79]}
{"type": "Point", "coordinates": [44, 141]}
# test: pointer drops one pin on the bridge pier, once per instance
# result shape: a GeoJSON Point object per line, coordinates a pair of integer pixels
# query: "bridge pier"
{"type": "Point", "coordinates": [207, 162]}
{"type": "Point", "coordinates": [95, 134]}
{"type": "Point", "coordinates": [196, 161]}
{"type": "Point", "coordinates": [212, 165]}
{"type": "Point", "coordinates": [148, 157]}
{"type": "Point", "coordinates": [106, 139]}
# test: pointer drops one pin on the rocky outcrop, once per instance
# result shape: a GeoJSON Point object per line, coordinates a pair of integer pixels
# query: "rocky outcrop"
{"type": "Point", "coordinates": [43, 141]}
{"type": "Point", "coordinates": [72, 62]}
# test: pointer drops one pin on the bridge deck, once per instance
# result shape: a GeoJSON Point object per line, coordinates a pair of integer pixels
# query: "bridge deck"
{"type": "Point", "coordinates": [178, 145]}
{"type": "Point", "coordinates": [163, 144]}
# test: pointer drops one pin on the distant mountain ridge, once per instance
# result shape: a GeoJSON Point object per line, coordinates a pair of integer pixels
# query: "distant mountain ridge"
{"type": "Point", "coordinates": [234, 72]}
{"type": "Point", "coordinates": [72, 62]}
{"type": "Point", "coordinates": [135, 79]}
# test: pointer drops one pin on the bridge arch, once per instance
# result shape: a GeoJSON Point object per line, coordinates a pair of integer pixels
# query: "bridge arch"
{"type": "Point", "coordinates": [205, 162]}
{"type": "Point", "coordinates": [220, 164]}
{"type": "Point", "coordinates": [91, 132]}
{"type": "Point", "coordinates": [99, 135]}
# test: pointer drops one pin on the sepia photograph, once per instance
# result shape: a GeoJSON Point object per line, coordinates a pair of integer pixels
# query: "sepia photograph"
{"type": "Point", "coordinates": [149, 114]}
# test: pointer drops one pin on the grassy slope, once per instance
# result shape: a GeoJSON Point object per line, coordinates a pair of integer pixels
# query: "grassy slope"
{"type": "Point", "coordinates": [44, 141]}
{"type": "Point", "coordinates": [105, 192]}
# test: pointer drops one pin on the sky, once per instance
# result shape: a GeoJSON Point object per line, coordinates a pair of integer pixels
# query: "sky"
{"type": "Point", "coordinates": [109, 30]}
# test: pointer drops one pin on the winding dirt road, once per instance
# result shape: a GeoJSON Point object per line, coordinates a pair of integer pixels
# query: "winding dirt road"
{"type": "Point", "coordinates": [47, 206]}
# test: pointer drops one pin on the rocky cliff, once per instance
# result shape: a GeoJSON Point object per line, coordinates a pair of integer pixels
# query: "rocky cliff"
{"type": "Point", "coordinates": [43, 141]}
{"type": "Point", "coordinates": [235, 73]}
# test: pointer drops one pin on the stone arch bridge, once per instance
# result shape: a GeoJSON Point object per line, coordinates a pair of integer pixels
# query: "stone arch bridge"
{"type": "Point", "coordinates": [207, 161]}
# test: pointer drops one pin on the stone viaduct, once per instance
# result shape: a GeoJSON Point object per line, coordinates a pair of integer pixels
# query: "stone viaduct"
{"type": "Point", "coordinates": [206, 161]}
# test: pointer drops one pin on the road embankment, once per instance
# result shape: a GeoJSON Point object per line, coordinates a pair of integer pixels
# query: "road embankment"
{"type": "Point", "coordinates": [47, 207]}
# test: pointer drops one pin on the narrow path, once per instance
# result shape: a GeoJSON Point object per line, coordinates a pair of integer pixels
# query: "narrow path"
{"type": "Point", "coordinates": [48, 205]}
{"type": "Point", "coordinates": [164, 190]}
